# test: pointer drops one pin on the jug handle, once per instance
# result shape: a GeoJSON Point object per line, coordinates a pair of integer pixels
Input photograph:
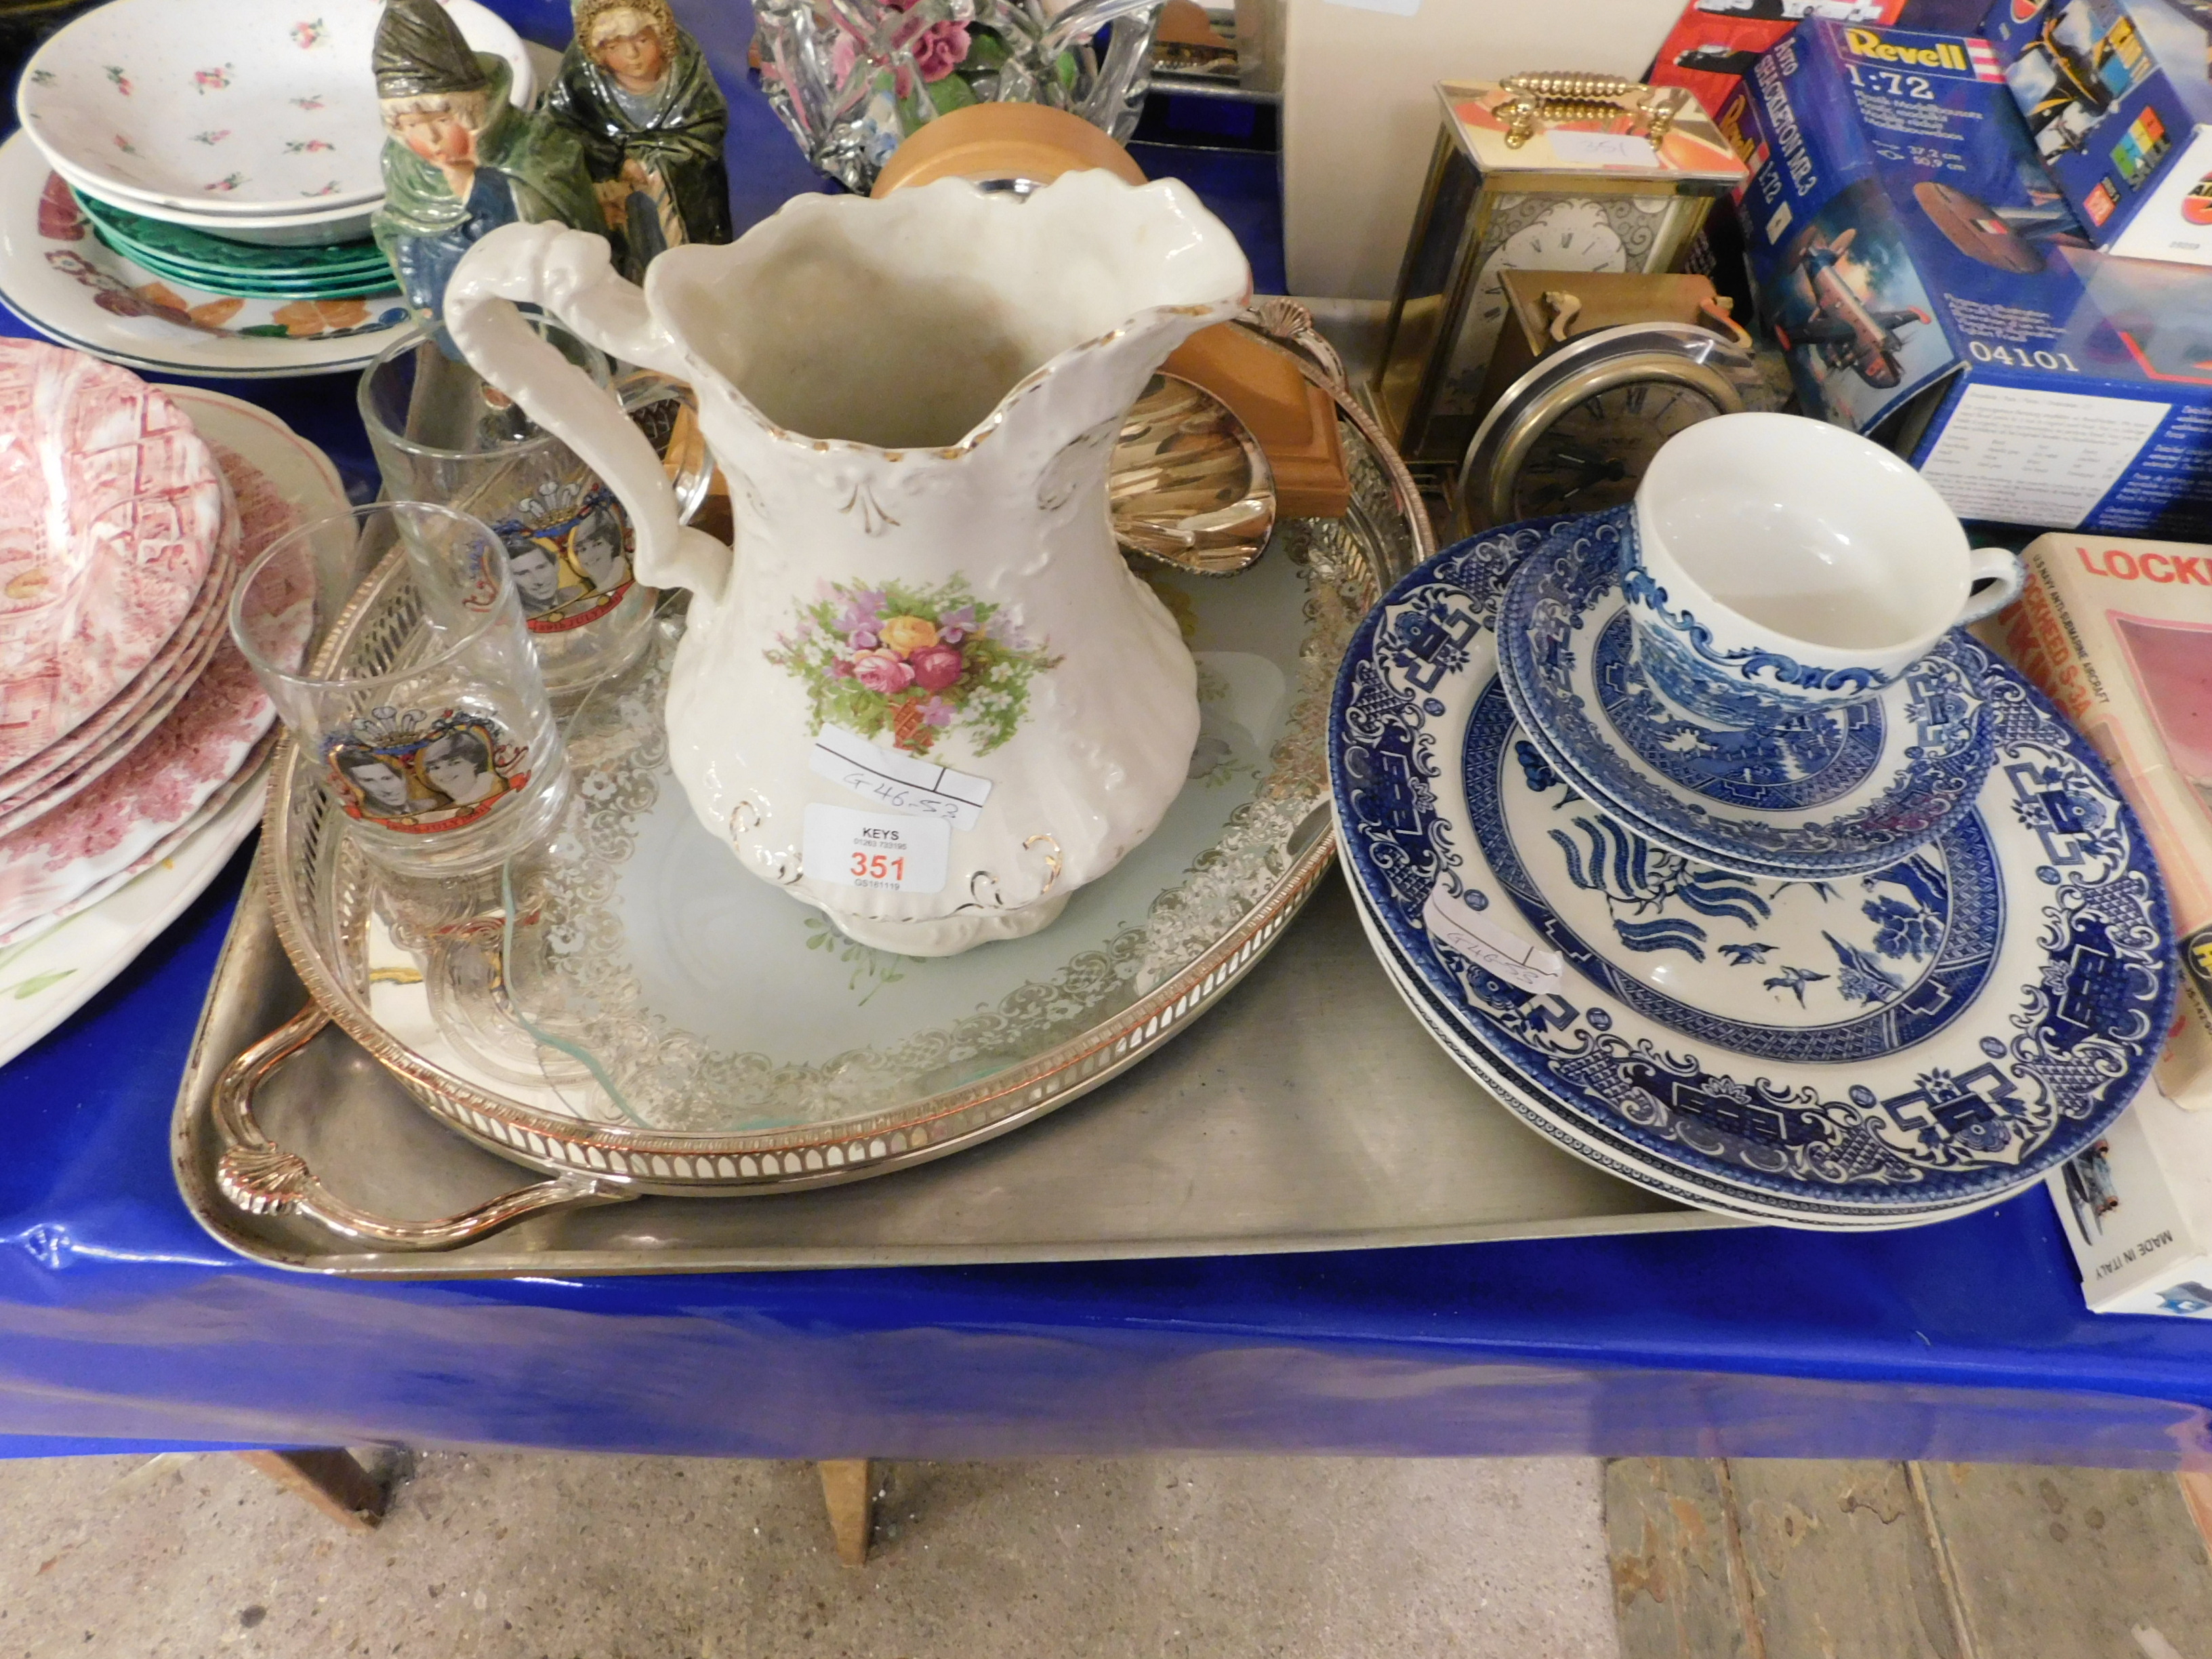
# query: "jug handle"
{"type": "Point", "coordinates": [570, 275]}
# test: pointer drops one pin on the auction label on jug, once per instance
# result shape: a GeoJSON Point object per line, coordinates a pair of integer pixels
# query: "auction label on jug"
{"type": "Point", "coordinates": [892, 854]}
{"type": "Point", "coordinates": [903, 783]}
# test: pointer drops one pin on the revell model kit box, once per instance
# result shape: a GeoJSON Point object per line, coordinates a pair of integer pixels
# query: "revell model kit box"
{"type": "Point", "coordinates": [2116, 94]}
{"type": "Point", "coordinates": [1931, 290]}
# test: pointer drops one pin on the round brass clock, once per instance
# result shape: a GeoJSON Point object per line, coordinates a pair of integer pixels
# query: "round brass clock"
{"type": "Point", "coordinates": [1576, 432]}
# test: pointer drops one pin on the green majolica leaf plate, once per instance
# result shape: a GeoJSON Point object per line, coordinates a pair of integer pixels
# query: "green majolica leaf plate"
{"type": "Point", "coordinates": [190, 250]}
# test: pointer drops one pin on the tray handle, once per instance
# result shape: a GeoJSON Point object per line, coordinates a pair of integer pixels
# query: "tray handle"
{"type": "Point", "coordinates": [261, 1178]}
{"type": "Point", "coordinates": [1290, 326]}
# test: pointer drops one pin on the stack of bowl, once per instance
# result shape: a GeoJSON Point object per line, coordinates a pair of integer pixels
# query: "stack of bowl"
{"type": "Point", "coordinates": [206, 152]}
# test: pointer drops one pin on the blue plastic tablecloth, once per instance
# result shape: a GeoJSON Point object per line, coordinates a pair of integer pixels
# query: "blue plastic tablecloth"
{"type": "Point", "coordinates": [123, 1325]}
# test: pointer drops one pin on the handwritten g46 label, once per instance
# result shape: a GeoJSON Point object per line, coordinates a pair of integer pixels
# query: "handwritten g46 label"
{"type": "Point", "coordinates": [1513, 956]}
{"type": "Point", "coordinates": [1602, 149]}
{"type": "Point", "coordinates": [893, 853]}
{"type": "Point", "coordinates": [902, 783]}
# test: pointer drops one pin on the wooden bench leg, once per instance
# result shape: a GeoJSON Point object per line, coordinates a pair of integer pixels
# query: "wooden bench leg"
{"type": "Point", "coordinates": [332, 1479]}
{"type": "Point", "coordinates": [2197, 1492]}
{"type": "Point", "coordinates": [848, 1488]}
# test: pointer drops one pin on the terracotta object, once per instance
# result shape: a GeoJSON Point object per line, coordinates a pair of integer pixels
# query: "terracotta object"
{"type": "Point", "coordinates": [988, 143]}
{"type": "Point", "coordinates": [1293, 419]}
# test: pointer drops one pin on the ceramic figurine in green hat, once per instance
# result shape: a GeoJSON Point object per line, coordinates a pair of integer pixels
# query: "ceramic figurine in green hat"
{"type": "Point", "coordinates": [461, 161]}
{"type": "Point", "coordinates": [635, 89]}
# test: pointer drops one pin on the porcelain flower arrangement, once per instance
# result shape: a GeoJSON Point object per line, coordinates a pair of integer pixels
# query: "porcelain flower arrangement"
{"type": "Point", "coordinates": [912, 662]}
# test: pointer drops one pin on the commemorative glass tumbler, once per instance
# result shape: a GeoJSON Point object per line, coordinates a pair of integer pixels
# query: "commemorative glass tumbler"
{"type": "Point", "coordinates": [442, 434]}
{"type": "Point", "coordinates": [433, 730]}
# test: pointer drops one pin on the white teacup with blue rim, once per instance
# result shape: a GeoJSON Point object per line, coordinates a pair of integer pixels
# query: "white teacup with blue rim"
{"type": "Point", "coordinates": [1781, 564]}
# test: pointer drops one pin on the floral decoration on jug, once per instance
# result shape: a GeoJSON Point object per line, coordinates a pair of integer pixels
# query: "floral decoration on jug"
{"type": "Point", "coordinates": [914, 662]}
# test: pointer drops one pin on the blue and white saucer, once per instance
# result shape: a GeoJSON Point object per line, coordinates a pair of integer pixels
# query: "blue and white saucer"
{"type": "Point", "coordinates": [1817, 791]}
{"type": "Point", "coordinates": [1908, 1044]}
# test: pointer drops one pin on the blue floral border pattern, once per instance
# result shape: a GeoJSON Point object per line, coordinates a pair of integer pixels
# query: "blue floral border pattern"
{"type": "Point", "coordinates": [1577, 566]}
{"type": "Point", "coordinates": [2059, 1056]}
{"type": "Point", "coordinates": [1796, 760]}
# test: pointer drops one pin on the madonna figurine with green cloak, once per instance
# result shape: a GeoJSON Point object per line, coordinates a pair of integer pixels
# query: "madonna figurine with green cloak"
{"type": "Point", "coordinates": [461, 160]}
{"type": "Point", "coordinates": [635, 88]}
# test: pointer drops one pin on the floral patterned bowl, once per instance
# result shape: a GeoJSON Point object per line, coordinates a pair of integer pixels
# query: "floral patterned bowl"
{"type": "Point", "coordinates": [347, 223]}
{"type": "Point", "coordinates": [260, 111]}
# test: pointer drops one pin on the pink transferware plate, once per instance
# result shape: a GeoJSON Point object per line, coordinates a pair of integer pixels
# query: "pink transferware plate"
{"type": "Point", "coordinates": [182, 774]}
{"type": "Point", "coordinates": [141, 802]}
{"type": "Point", "coordinates": [251, 776]}
{"type": "Point", "coordinates": [50, 777]}
{"type": "Point", "coordinates": [112, 510]}
{"type": "Point", "coordinates": [51, 971]}
{"type": "Point", "coordinates": [265, 511]}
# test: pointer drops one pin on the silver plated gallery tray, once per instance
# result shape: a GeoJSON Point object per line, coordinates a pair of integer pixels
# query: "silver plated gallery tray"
{"type": "Point", "coordinates": [1308, 1112]}
{"type": "Point", "coordinates": [635, 1013]}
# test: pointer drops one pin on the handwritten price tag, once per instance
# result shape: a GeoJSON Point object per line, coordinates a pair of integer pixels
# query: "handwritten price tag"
{"type": "Point", "coordinates": [902, 783]}
{"type": "Point", "coordinates": [1602, 149]}
{"type": "Point", "coordinates": [1513, 956]}
{"type": "Point", "coordinates": [875, 849]}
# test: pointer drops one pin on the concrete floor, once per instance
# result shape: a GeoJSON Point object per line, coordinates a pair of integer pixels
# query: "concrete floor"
{"type": "Point", "coordinates": [547, 1557]}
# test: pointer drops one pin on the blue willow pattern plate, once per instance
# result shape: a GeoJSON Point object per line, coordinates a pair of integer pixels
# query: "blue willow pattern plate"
{"type": "Point", "coordinates": [1590, 1142]}
{"type": "Point", "coordinates": [1924, 1038]}
{"type": "Point", "coordinates": [1829, 792]}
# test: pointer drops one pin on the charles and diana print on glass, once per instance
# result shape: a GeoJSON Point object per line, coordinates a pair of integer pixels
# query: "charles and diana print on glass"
{"type": "Point", "coordinates": [423, 773]}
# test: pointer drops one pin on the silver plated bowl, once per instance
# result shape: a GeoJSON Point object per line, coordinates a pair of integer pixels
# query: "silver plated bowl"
{"type": "Point", "coordinates": [625, 1080]}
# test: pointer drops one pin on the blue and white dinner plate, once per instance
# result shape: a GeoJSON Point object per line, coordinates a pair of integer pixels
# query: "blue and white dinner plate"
{"type": "Point", "coordinates": [1911, 1042]}
{"type": "Point", "coordinates": [1772, 791]}
{"type": "Point", "coordinates": [1609, 1153]}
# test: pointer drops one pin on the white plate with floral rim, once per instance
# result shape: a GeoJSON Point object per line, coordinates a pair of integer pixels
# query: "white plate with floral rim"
{"type": "Point", "coordinates": [254, 110]}
{"type": "Point", "coordinates": [1918, 1040]}
{"type": "Point", "coordinates": [64, 281]}
{"type": "Point", "coordinates": [47, 976]}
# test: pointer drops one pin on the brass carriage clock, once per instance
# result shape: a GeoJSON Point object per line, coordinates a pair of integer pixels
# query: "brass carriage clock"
{"type": "Point", "coordinates": [1568, 173]}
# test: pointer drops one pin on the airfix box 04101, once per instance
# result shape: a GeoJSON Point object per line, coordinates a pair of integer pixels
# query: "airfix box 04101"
{"type": "Point", "coordinates": [1931, 288]}
{"type": "Point", "coordinates": [2116, 94]}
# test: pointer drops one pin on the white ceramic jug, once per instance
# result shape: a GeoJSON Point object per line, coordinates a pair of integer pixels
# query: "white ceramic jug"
{"type": "Point", "coordinates": [924, 693]}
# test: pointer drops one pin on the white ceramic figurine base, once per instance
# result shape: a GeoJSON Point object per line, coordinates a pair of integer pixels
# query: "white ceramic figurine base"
{"type": "Point", "coordinates": [925, 694]}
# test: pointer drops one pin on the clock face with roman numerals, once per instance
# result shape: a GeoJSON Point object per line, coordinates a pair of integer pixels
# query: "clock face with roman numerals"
{"type": "Point", "coordinates": [1593, 454]}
